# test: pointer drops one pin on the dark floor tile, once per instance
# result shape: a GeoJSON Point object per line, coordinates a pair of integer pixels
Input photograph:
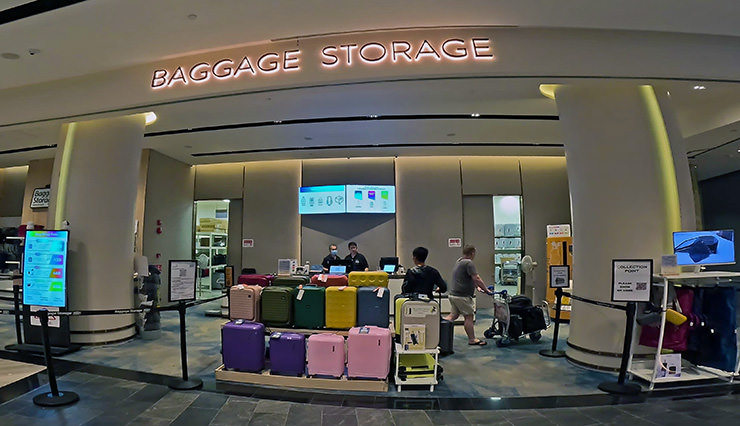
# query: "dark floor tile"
{"type": "Point", "coordinates": [410, 418]}
{"type": "Point", "coordinates": [339, 420]}
{"type": "Point", "coordinates": [268, 406]}
{"type": "Point", "coordinates": [324, 399]}
{"type": "Point", "coordinates": [15, 405]}
{"type": "Point", "coordinates": [447, 417]}
{"type": "Point", "coordinates": [607, 414]}
{"type": "Point", "coordinates": [530, 421]}
{"type": "Point", "coordinates": [567, 417]}
{"type": "Point", "coordinates": [373, 417]}
{"type": "Point", "coordinates": [12, 419]}
{"type": "Point", "coordinates": [195, 416]}
{"type": "Point", "coordinates": [150, 393]}
{"type": "Point", "coordinates": [305, 415]}
{"type": "Point", "coordinates": [268, 419]}
{"type": "Point", "coordinates": [485, 417]}
{"type": "Point", "coordinates": [235, 411]}
{"type": "Point", "coordinates": [149, 421]}
{"type": "Point", "coordinates": [210, 400]}
{"type": "Point", "coordinates": [336, 411]}
{"type": "Point", "coordinates": [76, 414]}
{"type": "Point", "coordinates": [120, 414]}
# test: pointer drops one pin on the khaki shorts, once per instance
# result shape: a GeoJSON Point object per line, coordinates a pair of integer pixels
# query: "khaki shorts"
{"type": "Point", "coordinates": [461, 305]}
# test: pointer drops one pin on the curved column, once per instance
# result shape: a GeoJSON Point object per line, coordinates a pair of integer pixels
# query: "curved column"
{"type": "Point", "coordinates": [94, 188]}
{"type": "Point", "coordinates": [624, 201]}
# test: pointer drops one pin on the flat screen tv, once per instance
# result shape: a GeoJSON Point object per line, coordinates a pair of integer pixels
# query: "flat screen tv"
{"type": "Point", "coordinates": [371, 199]}
{"type": "Point", "coordinates": [704, 247]}
{"type": "Point", "coordinates": [321, 199]}
{"type": "Point", "coordinates": [45, 268]}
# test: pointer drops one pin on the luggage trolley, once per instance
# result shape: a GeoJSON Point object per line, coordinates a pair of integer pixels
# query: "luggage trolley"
{"type": "Point", "coordinates": [510, 325]}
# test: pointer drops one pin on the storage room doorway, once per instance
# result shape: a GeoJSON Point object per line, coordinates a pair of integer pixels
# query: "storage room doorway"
{"type": "Point", "coordinates": [211, 244]}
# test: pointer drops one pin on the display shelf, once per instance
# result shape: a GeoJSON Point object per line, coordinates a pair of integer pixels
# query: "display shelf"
{"type": "Point", "coordinates": [644, 369]}
{"type": "Point", "coordinates": [424, 381]}
{"type": "Point", "coordinates": [265, 378]}
{"type": "Point", "coordinates": [213, 247]}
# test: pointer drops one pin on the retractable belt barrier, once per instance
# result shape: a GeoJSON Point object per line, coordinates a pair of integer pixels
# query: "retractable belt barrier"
{"type": "Point", "coordinates": [595, 302]}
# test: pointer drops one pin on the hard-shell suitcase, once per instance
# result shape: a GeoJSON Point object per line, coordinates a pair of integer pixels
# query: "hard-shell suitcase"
{"type": "Point", "coordinates": [290, 281]}
{"type": "Point", "coordinates": [373, 306]}
{"type": "Point", "coordinates": [243, 346]}
{"type": "Point", "coordinates": [368, 278]}
{"type": "Point", "coordinates": [411, 310]}
{"type": "Point", "coordinates": [325, 280]}
{"type": "Point", "coordinates": [326, 355]}
{"type": "Point", "coordinates": [341, 307]}
{"type": "Point", "coordinates": [446, 337]}
{"type": "Point", "coordinates": [255, 279]}
{"type": "Point", "coordinates": [287, 353]}
{"type": "Point", "coordinates": [308, 307]}
{"type": "Point", "coordinates": [277, 306]}
{"type": "Point", "coordinates": [415, 366]}
{"type": "Point", "coordinates": [369, 352]}
{"type": "Point", "coordinates": [244, 302]}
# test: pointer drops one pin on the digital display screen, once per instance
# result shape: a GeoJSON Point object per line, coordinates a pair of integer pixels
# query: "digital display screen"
{"type": "Point", "coordinates": [704, 247]}
{"type": "Point", "coordinates": [321, 199]}
{"type": "Point", "coordinates": [371, 199]}
{"type": "Point", "coordinates": [337, 270]}
{"type": "Point", "coordinates": [390, 268]}
{"type": "Point", "coordinates": [45, 268]}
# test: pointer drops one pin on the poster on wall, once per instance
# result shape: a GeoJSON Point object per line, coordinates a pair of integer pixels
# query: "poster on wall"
{"type": "Point", "coordinates": [371, 199]}
{"type": "Point", "coordinates": [45, 268]}
{"type": "Point", "coordinates": [182, 280]}
{"type": "Point", "coordinates": [631, 280]}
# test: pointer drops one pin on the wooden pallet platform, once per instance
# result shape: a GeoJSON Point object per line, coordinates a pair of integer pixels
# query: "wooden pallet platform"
{"type": "Point", "coordinates": [265, 378]}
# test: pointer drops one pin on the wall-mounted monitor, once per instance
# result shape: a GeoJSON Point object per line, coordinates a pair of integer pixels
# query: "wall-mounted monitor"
{"type": "Point", "coordinates": [45, 268]}
{"type": "Point", "coordinates": [321, 199]}
{"type": "Point", "coordinates": [371, 199]}
{"type": "Point", "coordinates": [704, 247]}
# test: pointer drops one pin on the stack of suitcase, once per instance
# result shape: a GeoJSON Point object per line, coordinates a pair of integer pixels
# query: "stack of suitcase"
{"type": "Point", "coordinates": [287, 354]}
{"type": "Point", "coordinates": [368, 279]}
{"type": "Point", "coordinates": [326, 355]}
{"type": "Point", "coordinates": [277, 306]}
{"type": "Point", "coordinates": [341, 307]}
{"type": "Point", "coordinates": [255, 279]}
{"type": "Point", "coordinates": [325, 280]}
{"type": "Point", "coordinates": [373, 305]}
{"type": "Point", "coordinates": [243, 346]}
{"type": "Point", "coordinates": [308, 307]}
{"type": "Point", "coordinates": [244, 302]}
{"type": "Point", "coordinates": [416, 311]}
{"type": "Point", "coordinates": [290, 280]}
{"type": "Point", "coordinates": [369, 352]}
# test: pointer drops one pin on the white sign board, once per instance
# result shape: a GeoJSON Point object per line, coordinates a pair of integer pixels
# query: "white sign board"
{"type": "Point", "coordinates": [182, 280]}
{"type": "Point", "coordinates": [454, 242]}
{"type": "Point", "coordinates": [558, 231]}
{"type": "Point", "coordinates": [53, 319]}
{"type": "Point", "coordinates": [631, 280]}
{"type": "Point", "coordinates": [559, 276]}
{"type": "Point", "coordinates": [40, 198]}
{"type": "Point", "coordinates": [248, 243]}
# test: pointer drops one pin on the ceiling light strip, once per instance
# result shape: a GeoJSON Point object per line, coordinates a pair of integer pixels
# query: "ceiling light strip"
{"type": "Point", "coordinates": [27, 149]}
{"type": "Point", "coordinates": [375, 146]}
{"type": "Point", "coordinates": [354, 119]}
{"type": "Point", "coordinates": [33, 8]}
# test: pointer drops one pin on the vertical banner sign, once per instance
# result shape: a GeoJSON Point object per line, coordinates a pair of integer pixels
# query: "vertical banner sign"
{"type": "Point", "coordinates": [559, 276]}
{"type": "Point", "coordinates": [631, 280]}
{"type": "Point", "coordinates": [45, 268]}
{"type": "Point", "coordinates": [182, 280]}
{"type": "Point", "coordinates": [228, 276]}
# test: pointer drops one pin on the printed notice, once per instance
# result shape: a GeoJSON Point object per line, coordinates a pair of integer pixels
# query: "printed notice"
{"type": "Point", "coordinates": [631, 280]}
{"type": "Point", "coordinates": [182, 280]}
{"type": "Point", "coordinates": [559, 276]}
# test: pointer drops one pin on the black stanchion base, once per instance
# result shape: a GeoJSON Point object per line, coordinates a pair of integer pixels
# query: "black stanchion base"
{"type": "Point", "coordinates": [48, 400]}
{"type": "Point", "coordinates": [549, 353]}
{"type": "Point", "coordinates": [180, 384]}
{"type": "Point", "coordinates": [620, 388]}
{"type": "Point", "coordinates": [39, 349]}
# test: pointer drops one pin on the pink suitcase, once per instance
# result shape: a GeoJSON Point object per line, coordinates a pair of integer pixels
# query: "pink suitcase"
{"type": "Point", "coordinates": [326, 355]}
{"type": "Point", "coordinates": [244, 302]}
{"type": "Point", "coordinates": [369, 352]}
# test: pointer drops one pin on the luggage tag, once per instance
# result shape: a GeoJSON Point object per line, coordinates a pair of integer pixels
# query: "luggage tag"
{"type": "Point", "coordinates": [276, 335]}
{"type": "Point", "coordinates": [299, 296]}
{"type": "Point", "coordinates": [239, 322]}
{"type": "Point", "coordinates": [364, 330]}
{"type": "Point", "coordinates": [380, 291]}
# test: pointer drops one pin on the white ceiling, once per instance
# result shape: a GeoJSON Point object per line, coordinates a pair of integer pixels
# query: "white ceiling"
{"type": "Point", "coordinates": [95, 36]}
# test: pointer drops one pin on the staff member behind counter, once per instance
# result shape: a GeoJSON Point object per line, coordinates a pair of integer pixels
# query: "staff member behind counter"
{"type": "Point", "coordinates": [359, 263]}
{"type": "Point", "coordinates": [332, 257]}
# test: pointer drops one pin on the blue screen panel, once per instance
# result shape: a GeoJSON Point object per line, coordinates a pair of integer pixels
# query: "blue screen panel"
{"type": "Point", "coordinates": [704, 247]}
{"type": "Point", "coordinates": [45, 268]}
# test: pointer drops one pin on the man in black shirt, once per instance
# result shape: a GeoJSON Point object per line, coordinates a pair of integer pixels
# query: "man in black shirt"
{"type": "Point", "coordinates": [330, 258]}
{"type": "Point", "coordinates": [422, 278]}
{"type": "Point", "coordinates": [359, 263]}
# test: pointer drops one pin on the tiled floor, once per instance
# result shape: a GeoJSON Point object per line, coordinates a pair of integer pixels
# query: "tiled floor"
{"type": "Point", "coordinates": [111, 402]}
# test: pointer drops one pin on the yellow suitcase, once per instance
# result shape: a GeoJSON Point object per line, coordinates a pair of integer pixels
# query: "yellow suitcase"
{"type": "Point", "coordinates": [341, 307]}
{"type": "Point", "coordinates": [368, 279]}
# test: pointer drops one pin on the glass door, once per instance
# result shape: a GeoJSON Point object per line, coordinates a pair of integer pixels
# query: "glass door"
{"type": "Point", "coordinates": [211, 242]}
{"type": "Point", "coordinates": [507, 242]}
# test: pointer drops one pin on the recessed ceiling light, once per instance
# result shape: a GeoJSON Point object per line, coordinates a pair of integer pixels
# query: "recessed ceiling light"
{"type": "Point", "coordinates": [475, 115]}
{"type": "Point", "coordinates": [187, 146]}
{"type": "Point", "coordinates": [373, 115]}
{"type": "Point", "coordinates": [10, 55]}
{"type": "Point", "coordinates": [33, 52]}
{"type": "Point", "coordinates": [192, 16]}
{"type": "Point", "coordinates": [450, 134]}
{"type": "Point", "coordinates": [308, 138]}
{"type": "Point", "coordinates": [150, 117]}
{"type": "Point", "coordinates": [699, 87]}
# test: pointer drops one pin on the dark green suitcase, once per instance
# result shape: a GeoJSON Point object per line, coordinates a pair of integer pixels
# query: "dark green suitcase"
{"type": "Point", "coordinates": [277, 306]}
{"type": "Point", "coordinates": [291, 281]}
{"type": "Point", "coordinates": [309, 311]}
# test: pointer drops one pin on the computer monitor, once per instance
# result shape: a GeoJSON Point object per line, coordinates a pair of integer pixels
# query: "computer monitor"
{"type": "Point", "coordinates": [337, 269]}
{"type": "Point", "coordinates": [390, 268]}
{"type": "Point", "coordinates": [704, 247]}
{"type": "Point", "coordinates": [389, 260]}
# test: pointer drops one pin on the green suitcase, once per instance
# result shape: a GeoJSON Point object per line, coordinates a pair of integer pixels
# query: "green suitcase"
{"type": "Point", "coordinates": [277, 306]}
{"type": "Point", "coordinates": [308, 311]}
{"type": "Point", "coordinates": [291, 280]}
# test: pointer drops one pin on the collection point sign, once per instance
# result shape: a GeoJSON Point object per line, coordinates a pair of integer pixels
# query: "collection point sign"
{"type": "Point", "coordinates": [333, 56]}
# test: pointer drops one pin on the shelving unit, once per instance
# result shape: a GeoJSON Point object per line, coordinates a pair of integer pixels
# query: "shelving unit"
{"type": "Point", "coordinates": [645, 369]}
{"type": "Point", "coordinates": [16, 262]}
{"type": "Point", "coordinates": [425, 381]}
{"type": "Point", "coordinates": [215, 243]}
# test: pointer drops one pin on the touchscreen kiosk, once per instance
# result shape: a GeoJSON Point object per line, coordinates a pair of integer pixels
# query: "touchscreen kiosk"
{"type": "Point", "coordinates": [45, 268]}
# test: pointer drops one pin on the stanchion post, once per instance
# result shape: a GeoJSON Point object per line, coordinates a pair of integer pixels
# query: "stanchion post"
{"type": "Point", "coordinates": [17, 307]}
{"type": "Point", "coordinates": [185, 383]}
{"type": "Point", "coordinates": [554, 352]}
{"type": "Point", "coordinates": [54, 398]}
{"type": "Point", "coordinates": [621, 387]}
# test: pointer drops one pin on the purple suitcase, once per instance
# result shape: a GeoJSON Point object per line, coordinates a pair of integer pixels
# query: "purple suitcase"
{"type": "Point", "coordinates": [243, 346]}
{"type": "Point", "coordinates": [287, 353]}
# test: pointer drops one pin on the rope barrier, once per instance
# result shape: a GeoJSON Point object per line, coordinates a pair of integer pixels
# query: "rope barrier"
{"type": "Point", "coordinates": [595, 302]}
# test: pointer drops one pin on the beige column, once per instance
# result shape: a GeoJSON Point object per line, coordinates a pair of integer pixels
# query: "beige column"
{"type": "Point", "coordinates": [624, 198]}
{"type": "Point", "coordinates": [94, 187]}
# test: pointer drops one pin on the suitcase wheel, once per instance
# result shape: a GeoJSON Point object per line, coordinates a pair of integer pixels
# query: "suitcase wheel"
{"type": "Point", "coordinates": [488, 333]}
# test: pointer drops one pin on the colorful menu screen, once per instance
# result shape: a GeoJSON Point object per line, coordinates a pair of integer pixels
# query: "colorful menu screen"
{"type": "Point", "coordinates": [371, 199]}
{"type": "Point", "coordinates": [321, 199]}
{"type": "Point", "coordinates": [45, 268]}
